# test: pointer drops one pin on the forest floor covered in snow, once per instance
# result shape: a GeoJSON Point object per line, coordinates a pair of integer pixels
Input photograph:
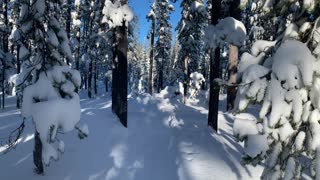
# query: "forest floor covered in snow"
{"type": "Point", "coordinates": [165, 140]}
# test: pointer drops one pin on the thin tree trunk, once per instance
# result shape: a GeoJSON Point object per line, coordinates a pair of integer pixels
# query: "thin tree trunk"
{"type": "Point", "coordinates": [90, 79]}
{"type": "Point", "coordinates": [214, 71]}
{"type": "Point", "coordinates": [107, 81]}
{"type": "Point", "coordinates": [186, 80]}
{"type": "Point", "coordinates": [37, 154]}
{"type": "Point", "coordinates": [78, 50]}
{"type": "Point", "coordinates": [150, 83]}
{"type": "Point", "coordinates": [18, 71]}
{"type": "Point", "coordinates": [95, 78]}
{"type": "Point", "coordinates": [3, 84]}
{"type": "Point", "coordinates": [5, 48]}
{"type": "Point", "coordinates": [160, 80]}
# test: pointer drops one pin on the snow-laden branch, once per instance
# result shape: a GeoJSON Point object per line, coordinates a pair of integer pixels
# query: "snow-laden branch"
{"type": "Point", "coordinates": [116, 14]}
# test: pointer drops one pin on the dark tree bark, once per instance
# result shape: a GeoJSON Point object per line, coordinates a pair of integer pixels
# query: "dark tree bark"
{"type": "Point", "coordinates": [5, 48]}
{"type": "Point", "coordinates": [160, 80]}
{"type": "Point", "coordinates": [150, 83]}
{"type": "Point", "coordinates": [95, 78]}
{"type": "Point", "coordinates": [214, 71]}
{"type": "Point", "coordinates": [107, 81]}
{"type": "Point", "coordinates": [120, 73]}
{"type": "Point", "coordinates": [18, 71]}
{"type": "Point", "coordinates": [78, 51]}
{"type": "Point", "coordinates": [68, 24]}
{"type": "Point", "coordinates": [90, 79]}
{"type": "Point", "coordinates": [37, 154]}
{"type": "Point", "coordinates": [3, 84]}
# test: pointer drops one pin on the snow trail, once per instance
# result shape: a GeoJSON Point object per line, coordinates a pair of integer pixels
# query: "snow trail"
{"type": "Point", "coordinates": [165, 140]}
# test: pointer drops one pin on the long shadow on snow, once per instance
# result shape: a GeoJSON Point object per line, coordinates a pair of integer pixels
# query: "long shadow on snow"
{"type": "Point", "coordinates": [199, 134]}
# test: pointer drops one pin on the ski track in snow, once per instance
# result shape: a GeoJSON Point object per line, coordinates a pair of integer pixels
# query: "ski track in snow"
{"type": "Point", "coordinates": [166, 140]}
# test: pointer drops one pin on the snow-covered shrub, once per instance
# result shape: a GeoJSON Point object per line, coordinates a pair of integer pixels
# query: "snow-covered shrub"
{"type": "Point", "coordinates": [53, 105]}
{"type": "Point", "coordinates": [288, 126]}
{"type": "Point", "coordinates": [196, 80]}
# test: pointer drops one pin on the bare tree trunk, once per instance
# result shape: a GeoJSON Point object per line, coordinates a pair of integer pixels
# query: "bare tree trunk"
{"type": "Point", "coordinates": [3, 83]}
{"type": "Point", "coordinates": [95, 78]}
{"type": "Point", "coordinates": [107, 81]}
{"type": "Point", "coordinates": [150, 83]}
{"type": "Point", "coordinates": [68, 24]}
{"type": "Point", "coordinates": [232, 76]}
{"type": "Point", "coordinates": [214, 71]}
{"type": "Point", "coordinates": [160, 77]}
{"type": "Point", "coordinates": [120, 73]}
{"type": "Point", "coordinates": [235, 12]}
{"type": "Point", "coordinates": [78, 50]}
{"type": "Point", "coordinates": [37, 154]}
{"type": "Point", "coordinates": [90, 79]}
{"type": "Point", "coordinates": [186, 79]}
{"type": "Point", "coordinates": [5, 48]}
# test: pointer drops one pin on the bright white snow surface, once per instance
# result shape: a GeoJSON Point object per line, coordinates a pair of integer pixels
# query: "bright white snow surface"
{"type": "Point", "coordinates": [165, 140]}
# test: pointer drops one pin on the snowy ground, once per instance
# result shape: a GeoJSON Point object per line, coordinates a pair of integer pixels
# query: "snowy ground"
{"type": "Point", "coordinates": [165, 141]}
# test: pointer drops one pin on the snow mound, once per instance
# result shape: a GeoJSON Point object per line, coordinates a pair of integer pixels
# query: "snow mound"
{"type": "Point", "coordinates": [228, 30]}
{"type": "Point", "coordinates": [116, 14]}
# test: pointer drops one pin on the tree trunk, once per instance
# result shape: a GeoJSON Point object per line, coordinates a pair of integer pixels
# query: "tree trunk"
{"type": "Point", "coordinates": [150, 83]}
{"type": "Point", "coordinates": [37, 154]}
{"type": "Point", "coordinates": [78, 51]}
{"type": "Point", "coordinates": [186, 80]}
{"type": "Point", "coordinates": [107, 81]}
{"type": "Point", "coordinates": [214, 89]}
{"type": "Point", "coordinates": [214, 71]}
{"type": "Point", "coordinates": [160, 80]}
{"type": "Point", "coordinates": [3, 83]}
{"type": "Point", "coordinates": [95, 78]}
{"type": "Point", "coordinates": [232, 76]}
{"type": "Point", "coordinates": [68, 19]}
{"type": "Point", "coordinates": [5, 48]}
{"type": "Point", "coordinates": [235, 12]}
{"type": "Point", "coordinates": [18, 71]}
{"type": "Point", "coordinates": [90, 79]}
{"type": "Point", "coordinates": [120, 73]}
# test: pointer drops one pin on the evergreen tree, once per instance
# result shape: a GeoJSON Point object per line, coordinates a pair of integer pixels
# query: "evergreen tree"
{"type": "Point", "coordinates": [190, 34]}
{"type": "Point", "coordinates": [48, 84]}
{"type": "Point", "coordinates": [151, 16]}
{"type": "Point", "coordinates": [163, 44]}
{"type": "Point", "coordinates": [282, 76]}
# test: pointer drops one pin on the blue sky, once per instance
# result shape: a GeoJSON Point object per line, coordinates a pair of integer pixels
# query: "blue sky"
{"type": "Point", "coordinates": [141, 9]}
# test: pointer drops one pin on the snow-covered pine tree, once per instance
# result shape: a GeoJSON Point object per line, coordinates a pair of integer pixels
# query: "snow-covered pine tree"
{"type": "Point", "coordinates": [190, 34]}
{"type": "Point", "coordinates": [173, 68]}
{"type": "Point", "coordinates": [133, 70]}
{"type": "Point", "coordinates": [286, 134]}
{"type": "Point", "coordinates": [118, 15]}
{"type": "Point", "coordinates": [49, 96]}
{"type": "Point", "coordinates": [151, 16]}
{"type": "Point", "coordinates": [163, 44]}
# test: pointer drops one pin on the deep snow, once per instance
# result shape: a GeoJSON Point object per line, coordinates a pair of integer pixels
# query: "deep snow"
{"type": "Point", "coordinates": [165, 140]}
